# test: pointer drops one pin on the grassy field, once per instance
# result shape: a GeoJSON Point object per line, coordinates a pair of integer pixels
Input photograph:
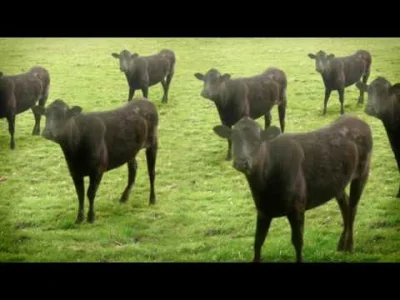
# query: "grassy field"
{"type": "Point", "coordinates": [204, 210]}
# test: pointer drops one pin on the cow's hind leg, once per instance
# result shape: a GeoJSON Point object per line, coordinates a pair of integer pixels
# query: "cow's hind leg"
{"type": "Point", "coordinates": [145, 91]}
{"type": "Point", "coordinates": [42, 103]}
{"type": "Point", "coordinates": [132, 167]}
{"type": "Point", "coordinates": [11, 129]}
{"type": "Point", "coordinates": [282, 114]}
{"type": "Point", "coordinates": [165, 89]}
{"type": "Point", "coordinates": [364, 80]}
{"type": "Point", "coordinates": [296, 221]}
{"type": "Point", "coordinates": [356, 189]}
{"type": "Point", "coordinates": [268, 119]}
{"type": "Point", "coordinates": [167, 85]}
{"type": "Point", "coordinates": [343, 201]}
{"type": "Point", "coordinates": [36, 127]}
{"type": "Point", "coordinates": [341, 100]}
{"type": "Point", "coordinates": [151, 157]}
{"type": "Point", "coordinates": [229, 151]}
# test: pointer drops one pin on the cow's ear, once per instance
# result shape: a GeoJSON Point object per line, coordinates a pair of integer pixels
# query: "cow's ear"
{"type": "Point", "coordinates": [115, 55]}
{"type": "Point", "coordinates": [331, 56]}
{"type": "Point", "coordinates": [312, 56]}
{"type": "Point", "coordinates": [362, 86]}
{"type": "Point", "coordinates": [39, 110]}
{"type": "Point", "coordinates": [199, 76]}
{"type": "Point", "coordinates": [134, 55]}
{"type": "Point", "coordinates": [270, 133]}
{"type": "Point", "coordinates": [395, 89]}
{"type": "Point", "coordinates": [74, 111]}
{"type": "Point", "coordinates": [1, 73]}
{"type": "Point", "coordinates": [225, 77]}
{"type": "Point", "coordinates": [223, 131]}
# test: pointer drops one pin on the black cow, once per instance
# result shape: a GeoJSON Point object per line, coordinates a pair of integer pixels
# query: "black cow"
{"type": "Point", "coordinates": [248, 96]}
{"type": "Point", "coordinates": [291, 173]}
{"type": "Point", "coordinates": [96, 142]}
{"type": "Point", "coordinates": [21, 92]}
{"type": "Point", "coordinates": [384, 104]}
{"type": "Point", "coordinates": [142, 72]}
{"type": "Point", "coordinates": [340, 72]}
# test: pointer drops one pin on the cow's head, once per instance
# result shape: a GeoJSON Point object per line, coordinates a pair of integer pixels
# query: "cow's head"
{"type": "Point", "coordinates": [125, 59]}
{"type": "Point", "coordinates": [246, 136]}
{"type": "Point", "coordinates": [57, 114]}
{"type": "Point", "coordinates": [322, 61]}
{"type": "Point", "coordinates": [212, 82]}
{"type": "Point", "coordinates": [381, 96]}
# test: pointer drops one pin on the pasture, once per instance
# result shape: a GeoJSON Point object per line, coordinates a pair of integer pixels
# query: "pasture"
{"type": "Point", "coordinates": [204, 210]}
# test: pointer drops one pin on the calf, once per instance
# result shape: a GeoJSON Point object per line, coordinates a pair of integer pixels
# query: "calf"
{"type": "Point", "coordinates": [252, 96]}
{"type": "Point", "coordinates": [21, 92]}
{"type": "Point", "coordinates": [384, 104]}
{"type": "Point", "coordinates": [289, 174]}
{"type": "Point", "coordinates": [141, 72]}
{"type": "Point", "coordinates": [340, 72]}
{"type": "Point", "coordinates": [96, 142]}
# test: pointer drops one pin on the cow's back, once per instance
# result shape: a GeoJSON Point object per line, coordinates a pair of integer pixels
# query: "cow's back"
{"type": "Point", "coordinates": [263, 94]}
{"type": "Point", "coordinates": [128, 129]}
{"type": "Point", "coordinates": [157, 68]}
{"type": "Point", "coordinates": [6, 101]}
{"type": "Point", "coordinates": [333, 156]}
{"type": "Point", "coordinates": [354, 67]}
{"type": "Point", "coordinates": [277, 75]}
{"type": "Point", "coordinates": [28, 90]}
{"type": "Point", "coordinates": [43, 74]}
{"type": "Point", "coordinates": [20, 91]}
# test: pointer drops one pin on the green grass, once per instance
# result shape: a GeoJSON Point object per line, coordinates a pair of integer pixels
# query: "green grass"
{"type": "Point", "coordinates": [204, 209]}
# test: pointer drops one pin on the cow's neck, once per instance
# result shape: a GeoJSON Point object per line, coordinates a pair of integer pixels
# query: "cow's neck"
{"type": "Point", "coordinates": [326, 76]}
{"type": "Point", "coordinates": [261, 164]}
{"type": "Point", "coordinates": [222, 98]}
{"type": "Point", "coordinates": [259, 177]}
{"type": "Point", "coordinates": [391, 115]}
{"type": "Point", "coordinates": [132, 70]}
{"type": "Point", "coordinates": [70, 138]}
{"type": "Point", "coordinates": [131, 73]}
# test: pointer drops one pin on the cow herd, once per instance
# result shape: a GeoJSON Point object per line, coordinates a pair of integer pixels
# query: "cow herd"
{"type": "Point", "coordinates": [287, 173]}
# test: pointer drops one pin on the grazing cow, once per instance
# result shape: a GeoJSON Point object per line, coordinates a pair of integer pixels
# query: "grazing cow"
{"type": "Point", "coordinates": [21, 92]}
{"type": "Point", "coordinates": [384, 104]}
{"type": "Point", "coordinates": [142, 72]}
{"type": "Point", "coordinates": [291, 173]}
{"type": "Point", "coordinates": [340, 72]}
{"type": "Point", "coordinates": [96, 142]}
{"type": "Point", "coordinates": [249, 96]}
